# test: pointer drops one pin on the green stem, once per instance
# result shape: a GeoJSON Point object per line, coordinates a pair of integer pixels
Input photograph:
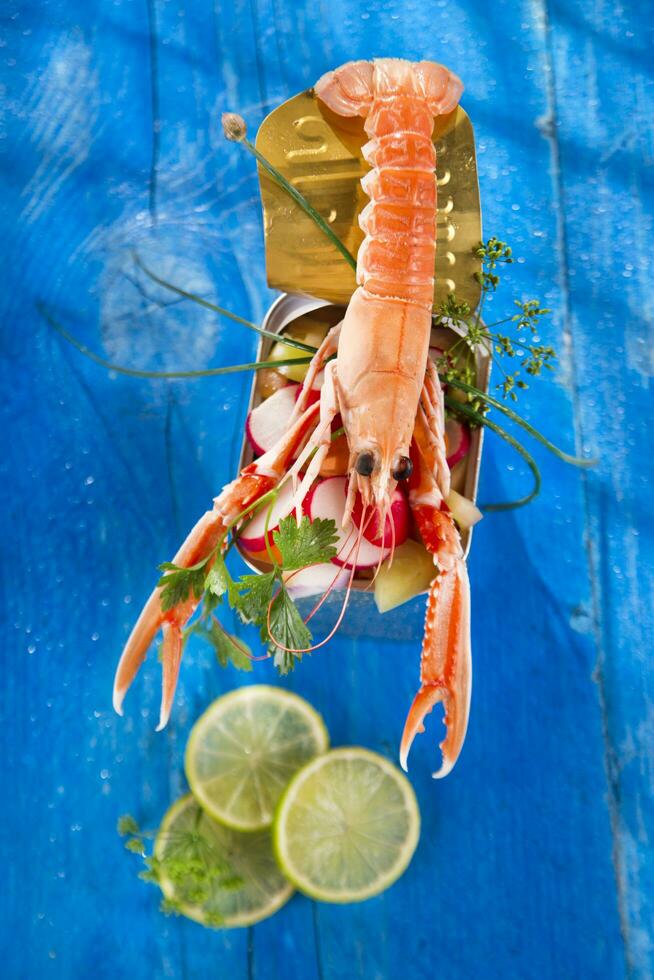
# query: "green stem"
{"type": "Point", "coordinates": [301, 201]}
{"type": "Point", "coordinates": [217, 309]}
{"type": "Point", "coordinates": [137, 373]}
{"type": "Point", "coordinates": [500, 406]}
{"type": "Point", "coordinates": [479, 419]}
{"type": "Point", "coordinates": [498, 323]}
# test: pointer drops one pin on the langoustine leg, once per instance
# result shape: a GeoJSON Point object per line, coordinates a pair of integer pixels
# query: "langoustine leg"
{"type": "Point", "coordinates": [252, 483]}
{"type": "Point", "coordinates": [445, 662]}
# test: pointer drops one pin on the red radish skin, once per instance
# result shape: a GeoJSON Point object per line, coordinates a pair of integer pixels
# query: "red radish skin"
{"type": "Point", "coordinates": [327, 501]}
{"type": "Point", "coordinates": [268, 422]}
{"type": "Point", "coordinates": [313, 396]}
{"type": "Point", "coordinates": [253, 538]}
{"type": "Point", "coordinates": [398, 516]}
{"type": "Point", "coordinates": [314, 392]}
{"type": "Point", "coordinates": [458, 441]}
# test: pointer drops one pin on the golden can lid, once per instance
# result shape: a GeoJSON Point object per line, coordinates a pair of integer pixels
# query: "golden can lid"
{"type": "Point", "coordinates": [319, 153]}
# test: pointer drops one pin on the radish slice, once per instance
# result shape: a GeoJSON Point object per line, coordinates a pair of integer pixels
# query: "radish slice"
{"type": "Point", "coordinates": [458, 441]}
{"type": "Point", "coordinates": [435, 353]}
{"type": "Point", "coordinates": [327, 501]}
{"type": "Point", "coordinates": [253, 537]}
{"type": "Point", "coordinates": [398, 516]}
{"type": "Point", "coordinates": [315, 580]}
{"type": "Point", "coordinates": [463, 510]}
{"type": "Point", "coordinates": [313, 396]}
{"type": "Point", "coordinates": [268, 422]}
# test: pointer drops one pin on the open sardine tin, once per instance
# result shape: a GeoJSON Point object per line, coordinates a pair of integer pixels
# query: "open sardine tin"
{"type": "Point", "coordinates": [320, 154]}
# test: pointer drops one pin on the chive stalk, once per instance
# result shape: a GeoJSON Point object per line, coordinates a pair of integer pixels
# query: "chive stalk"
{"type": "Point", "coordinates": [235, 130]}
{"type": "Point", "coordinates": [500, 406]}
{"type": "Point", "coordinates": [480, 419]}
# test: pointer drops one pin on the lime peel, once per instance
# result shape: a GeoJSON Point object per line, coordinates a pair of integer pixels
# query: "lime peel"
{"type": "Point", "coordinates": [309, 823]}
{"type": "Point", "coordinates": [245, 748]}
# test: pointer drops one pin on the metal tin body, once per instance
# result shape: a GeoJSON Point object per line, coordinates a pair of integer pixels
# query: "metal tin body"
{"type": "Point", "coordinates": [320, 154]}
{"type": "Point", "coordinates": [287, 308]}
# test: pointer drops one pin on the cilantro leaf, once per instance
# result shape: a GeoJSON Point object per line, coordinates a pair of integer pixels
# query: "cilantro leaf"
{"type": "Point", "coordinates": [177, 585]}
{"type": "Point", "coordinates": [228, 648]}
{"type": "Point", "coordinates": [306, 543]}
{"type": "Point", "coordinates": [219, 583]}
{"type": "Point", "coordinates": [288, 628]}
{"type": "Point", "coordinates": [253, 603]}
{"type": "Point", "coordinates": [217, 580]}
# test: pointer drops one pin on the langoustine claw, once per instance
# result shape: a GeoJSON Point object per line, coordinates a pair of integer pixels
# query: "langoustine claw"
{"type": "Point", "coordinates": [252, 483]}
{"type": "Point", "coordinates": [201, 541]}
{"type": "Point", "coordinates": [445, 666]}
{"type": "Point", "coordinates": [445, 662]}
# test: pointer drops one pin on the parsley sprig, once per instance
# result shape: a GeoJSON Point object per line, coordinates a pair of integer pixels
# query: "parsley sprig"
{"type": "Point", "coordinates": [262, 600]}
{"type": "Point", "coordinates": [195, 867]}
{"type": "Point", "coordinates": [523, 348]}
{"type": "Point", "coordinates": [265, 600]}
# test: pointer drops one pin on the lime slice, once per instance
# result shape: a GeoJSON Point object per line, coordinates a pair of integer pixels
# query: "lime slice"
{"type": "Point", "coordinates": [245, 748]}
{"type": "Point", "coordinates": [235, 874]}
{"type": "Point", "coordinates": [347, 826]}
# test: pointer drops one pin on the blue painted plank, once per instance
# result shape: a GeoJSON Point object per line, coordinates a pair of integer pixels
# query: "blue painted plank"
{"type": "Point", "coordinates": [514, 874]}
{"type": "Point", "coordinates": [603, 79]}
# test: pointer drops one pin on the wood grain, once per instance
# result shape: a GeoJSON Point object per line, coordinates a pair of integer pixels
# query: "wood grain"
{"type": "Point", "coordinates": [535, 858]}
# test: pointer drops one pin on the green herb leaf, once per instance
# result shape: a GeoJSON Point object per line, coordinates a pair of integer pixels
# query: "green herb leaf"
{"type": "Point", "coordinates": [308, 543]}
{"type": "Point", "coordinates": [177, 584]}
{"type": "Point", "coordinates": [257, 591]}
{"type": "Point", "coordinates": [529, 357]}
{"type": "Point", "coordinates": [127, 825]}
{"type": "Point", "coordinates": [194, 865]}
{"type": "Point", "coordinates": [229, 650]}
{"type": "Point", "coordinates": [219, 582]}
{"type": "Point", "coordinates": [169, 906]}
{"type": "Point", "coordinates": [287, 628]}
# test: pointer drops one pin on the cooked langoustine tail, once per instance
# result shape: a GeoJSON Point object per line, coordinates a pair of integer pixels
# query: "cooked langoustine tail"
{"type": "Point", "coordinates": [387, 392]}
{"type": "Point", "coordinates": [252, 483]}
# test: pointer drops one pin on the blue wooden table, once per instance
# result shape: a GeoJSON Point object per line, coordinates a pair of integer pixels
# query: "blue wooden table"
{"type": "Point", "coordinates": [535, 859]}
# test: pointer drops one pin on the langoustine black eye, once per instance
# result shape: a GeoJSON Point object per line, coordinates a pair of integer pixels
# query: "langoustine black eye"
{"type": "Point", "coordinates": [365, 463]}
{"type": "Point", "coordinates": [404, 469]}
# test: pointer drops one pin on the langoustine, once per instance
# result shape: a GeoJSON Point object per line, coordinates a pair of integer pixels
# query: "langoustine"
{"type": "Point", "coordinates": [379, 377]}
